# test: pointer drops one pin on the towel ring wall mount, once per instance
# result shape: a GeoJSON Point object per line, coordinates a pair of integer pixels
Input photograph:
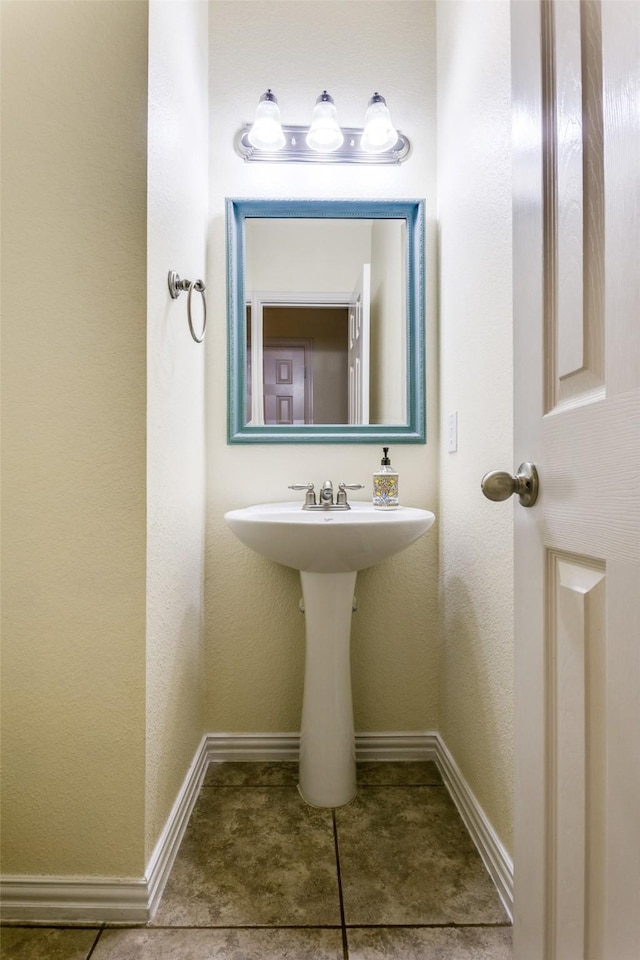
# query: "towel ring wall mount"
{"type": "Point", "coordinates": [178, 286]}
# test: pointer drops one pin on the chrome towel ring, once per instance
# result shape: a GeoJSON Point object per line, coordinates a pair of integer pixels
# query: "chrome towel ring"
{"type": "Point", "coordinates": [176, 287]}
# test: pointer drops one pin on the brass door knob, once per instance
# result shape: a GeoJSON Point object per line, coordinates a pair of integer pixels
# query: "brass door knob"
{"type": "Point", "coordinates": [499, 485]}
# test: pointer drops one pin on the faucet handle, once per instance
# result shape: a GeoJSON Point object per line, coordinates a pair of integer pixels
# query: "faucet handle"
{"type": "Point", "coordinates": [310, 497]}
{"type": "Point", "coordinates": [342, 490]}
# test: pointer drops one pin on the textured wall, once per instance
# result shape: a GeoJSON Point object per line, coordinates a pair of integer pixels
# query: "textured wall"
{"type": "Point", "coordinates": [74, 397]}
{"type": "Point", "coordinates": [177, 231]}
{"type": "Point", "coordinates": [255, 634]}
{"type": "Point", "coordinates": [474, 190]}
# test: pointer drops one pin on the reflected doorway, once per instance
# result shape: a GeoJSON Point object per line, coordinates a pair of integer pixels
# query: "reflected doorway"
{"type": "Point", "coordinates": [305, 364]}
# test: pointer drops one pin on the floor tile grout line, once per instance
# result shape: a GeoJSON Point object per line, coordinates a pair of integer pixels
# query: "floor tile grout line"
{"type": "Point", "coordinates": [345, 943]}
{"type": "Point", "coordinates": [95, 943]}
{"type": "Point", "coordinates": [451, 925]}
{"type": "Point", "coordinates": [445, 925]}
{"type": "Point", "coordinates": [233, 926]}
{"type": "Point", "coordinates": [97, 925]}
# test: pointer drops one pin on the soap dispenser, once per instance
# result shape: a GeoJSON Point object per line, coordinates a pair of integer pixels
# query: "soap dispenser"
{"type": "Point", "coordinates": [385, 483]}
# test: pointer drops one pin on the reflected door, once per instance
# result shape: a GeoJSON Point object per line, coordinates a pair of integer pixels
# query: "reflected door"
{"type": "Point", "coordinates": [285, 383]}
{"type": "Point", "coordinates": [358, 352]}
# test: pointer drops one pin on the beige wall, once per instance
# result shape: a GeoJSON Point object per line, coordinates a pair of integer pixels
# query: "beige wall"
{"type": "Point", "coordinates": [103, 473]}
{"type": "Point", "coordinates": [74, 431]}
{"type": "Point", "coordinates": [254, 631]}
{"type": "Point", "coordinates": [177, 230]}
{"type": "Point", "coordinates": [476, 562]}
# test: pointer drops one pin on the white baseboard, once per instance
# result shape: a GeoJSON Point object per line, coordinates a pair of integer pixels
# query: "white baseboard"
{"type": "Point", "coordinates": [396, 746]}
{"type": "Point", "coordinates": [286, 746]}
{"type": "Point", "coordinates": [73, 899]}
{"type": "Point", "coordinates": [134, 900]}
{"type": "Point", "coordinates": [495, 858]}
{"type": "Point", "coordinates": [252, 746]}
{"type": "Point", "coordinates": [107, 899]}
{"type": "Point", "coordinates": [161, 861]}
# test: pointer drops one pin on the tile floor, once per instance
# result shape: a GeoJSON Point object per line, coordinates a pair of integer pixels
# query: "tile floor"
{"type": "Point", "coordinates": [260, 875]}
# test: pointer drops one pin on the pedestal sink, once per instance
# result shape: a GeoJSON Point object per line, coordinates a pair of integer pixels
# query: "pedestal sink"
{"type": "Point", "coordinates": [328, 547]}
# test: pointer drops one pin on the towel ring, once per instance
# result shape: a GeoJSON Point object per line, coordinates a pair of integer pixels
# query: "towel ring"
{"type": "Point", "coordinates": [176, 287]}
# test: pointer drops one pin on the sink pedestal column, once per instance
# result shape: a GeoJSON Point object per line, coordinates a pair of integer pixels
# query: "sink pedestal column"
{"type": "Point", "coordinates": [327, 776]}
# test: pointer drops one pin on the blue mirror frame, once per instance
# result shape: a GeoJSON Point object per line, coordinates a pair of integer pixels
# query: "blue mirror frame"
{"type": "Point", "coordinates": [412, 211]}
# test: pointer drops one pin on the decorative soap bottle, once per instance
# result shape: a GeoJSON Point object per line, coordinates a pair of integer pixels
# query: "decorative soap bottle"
{"type": "Point", "coordinates": [385, 483]}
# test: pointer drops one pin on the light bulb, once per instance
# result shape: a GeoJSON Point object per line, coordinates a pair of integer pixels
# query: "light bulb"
{"type": "Point", "coordinates": [266, 132]}
{"type": "Point", "coordinates": [379, 134]}
{"type": "Point", "coordinates": [324, 133]}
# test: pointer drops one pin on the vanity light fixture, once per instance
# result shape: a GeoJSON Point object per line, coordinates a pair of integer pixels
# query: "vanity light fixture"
{"type": "Point", "coordinates": [324, 141]}
{"type": "Point", "coordinates": [325, 134]}
{"type": "Point", "coordinates": [379, 133]}
{"type": "Point", "coordinates": [266, 132]}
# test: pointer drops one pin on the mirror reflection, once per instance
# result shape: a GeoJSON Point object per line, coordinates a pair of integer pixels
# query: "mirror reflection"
{"type": "Point", "coordinates": [326, 320]}
{"type": "Point", "coordinates": [325, 302]}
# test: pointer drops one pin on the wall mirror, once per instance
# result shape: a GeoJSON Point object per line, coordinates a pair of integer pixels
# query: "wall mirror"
{"type": "Point", "coordinates": [326, 337]}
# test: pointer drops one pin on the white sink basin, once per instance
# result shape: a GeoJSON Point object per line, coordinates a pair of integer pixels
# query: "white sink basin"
{"type": "Point", "coordinates": [328, 541]}
{"type": "Point", "coordinates": [328, 547]}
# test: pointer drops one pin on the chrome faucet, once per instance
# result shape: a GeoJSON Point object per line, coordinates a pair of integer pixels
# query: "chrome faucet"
{"type": "Point", "coordinates": [326, 495]}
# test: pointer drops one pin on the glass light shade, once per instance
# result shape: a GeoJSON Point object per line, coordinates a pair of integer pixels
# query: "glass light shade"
{"type": "Point", "coordinates": [324, 133]}
{"type": "Point", "coordinates": [379, 134]}
{"type": "Point", "coordinates": [266, 132]}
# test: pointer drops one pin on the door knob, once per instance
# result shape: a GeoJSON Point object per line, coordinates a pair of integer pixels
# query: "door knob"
{"type": "Point", "coordinates": [499, 485]}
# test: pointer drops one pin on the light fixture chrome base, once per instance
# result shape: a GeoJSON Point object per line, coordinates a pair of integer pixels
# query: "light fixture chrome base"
{"type": "Point", "coordinates": [296, 150]}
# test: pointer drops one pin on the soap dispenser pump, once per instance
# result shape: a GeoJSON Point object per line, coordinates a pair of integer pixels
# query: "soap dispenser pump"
{"type": "Point", "coordinates": [385, 483]}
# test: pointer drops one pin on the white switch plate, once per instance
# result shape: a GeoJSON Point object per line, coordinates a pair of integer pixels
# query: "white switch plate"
{"type": "Point", "coordinates": [452, 433]}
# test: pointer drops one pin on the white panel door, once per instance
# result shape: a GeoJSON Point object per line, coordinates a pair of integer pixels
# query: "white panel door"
{"type": "Point", "coordinates": [285, 371]}
{"type": "Point", "coordinates": [576, 110]}
{"type": "Point", "coordinates": [358, 353]}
